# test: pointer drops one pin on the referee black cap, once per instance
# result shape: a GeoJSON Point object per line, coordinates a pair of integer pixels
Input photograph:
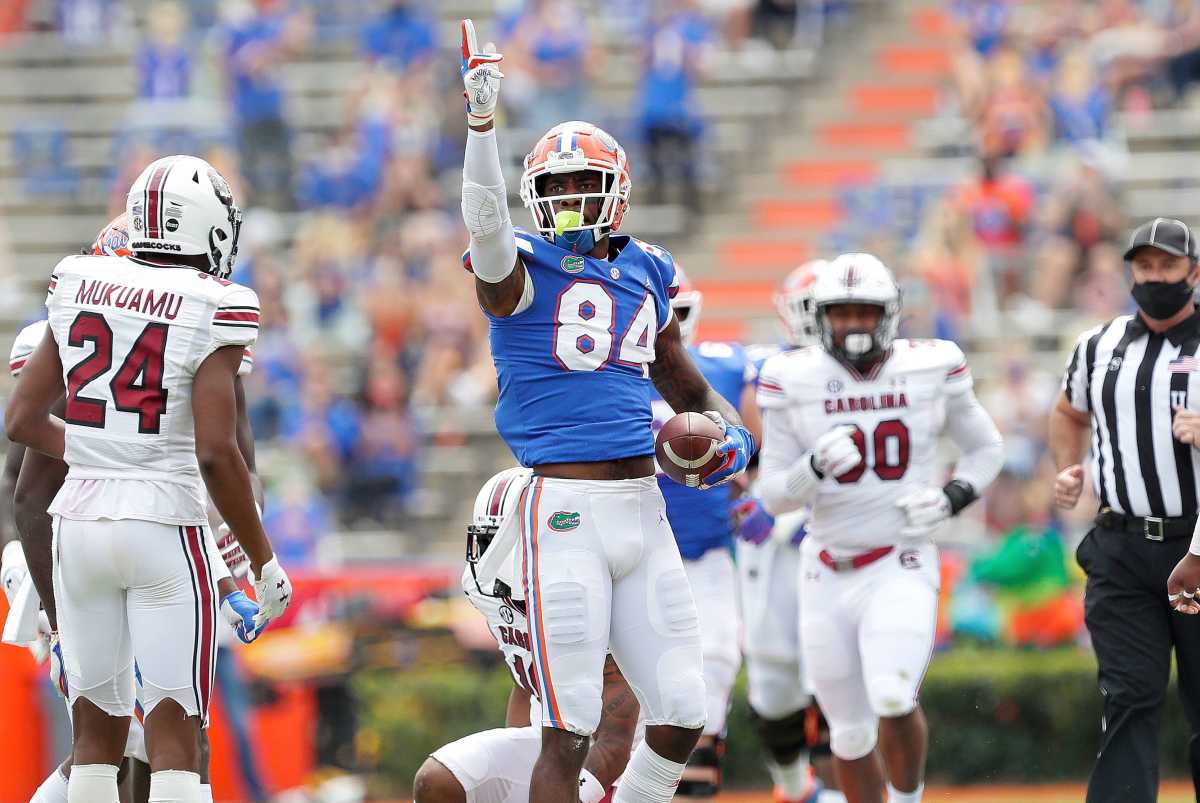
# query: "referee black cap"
{"type": "Point", "coordinates": [1166, 234]}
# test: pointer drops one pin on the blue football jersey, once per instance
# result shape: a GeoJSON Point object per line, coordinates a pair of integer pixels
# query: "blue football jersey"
{"type": "Point", "coordinates": [573, 367]}
{"type": "Point", "coordinates": [703, 520]}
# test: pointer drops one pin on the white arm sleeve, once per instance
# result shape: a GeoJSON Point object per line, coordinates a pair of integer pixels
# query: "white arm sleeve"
{"type": "Point", "coordinates": [215, 562]}
{"type": "Point", "coordinates": [485, 209]}
{"type": "Point", "coordinates": [786, 479]}
{"type": "Point", "coordinates": [974, 432]}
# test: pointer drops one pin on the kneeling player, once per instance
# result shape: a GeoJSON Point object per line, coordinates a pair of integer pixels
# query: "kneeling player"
{"type": "Point", "coordinates": [495, 766]}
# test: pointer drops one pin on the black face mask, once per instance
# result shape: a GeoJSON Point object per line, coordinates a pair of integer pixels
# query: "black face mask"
{"type": "Point", "coordinates": [1161, 300]}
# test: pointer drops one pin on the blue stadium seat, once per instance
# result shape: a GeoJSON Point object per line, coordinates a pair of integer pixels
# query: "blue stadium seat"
{"type": "Point", "coordinates": [42, 152]}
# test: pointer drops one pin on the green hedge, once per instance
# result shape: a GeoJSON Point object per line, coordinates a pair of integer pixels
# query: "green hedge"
{"type": "Point", "coordinates": [993, 716]}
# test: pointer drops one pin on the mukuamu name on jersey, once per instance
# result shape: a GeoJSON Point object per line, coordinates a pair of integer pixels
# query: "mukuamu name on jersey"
{"type": "Point", "coordinates": [143, 300]}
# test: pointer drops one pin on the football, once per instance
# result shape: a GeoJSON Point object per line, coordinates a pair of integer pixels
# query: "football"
{"type": "Point", "coordinates": [686, 448]}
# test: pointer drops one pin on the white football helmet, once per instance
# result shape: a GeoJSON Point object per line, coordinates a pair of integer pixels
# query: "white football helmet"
{"type": "Point", "coordinates": [24, 346]}
{"type": "Point", "coordinates": [496, 500]}
{"type": "Point", "coordinates": [687, 304]}
{"type": "Point", "coordinates": [794, 302]}
{"type": "Point", "coordinates": [181, 205]}
{"type": "Point", "coordinates": [857, 279]}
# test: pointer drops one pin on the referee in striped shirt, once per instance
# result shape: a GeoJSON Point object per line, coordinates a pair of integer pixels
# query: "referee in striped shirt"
{"type": "Point", "coordinates": [1128, 389]}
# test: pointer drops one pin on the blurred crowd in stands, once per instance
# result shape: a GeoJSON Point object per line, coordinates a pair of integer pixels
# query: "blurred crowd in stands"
{"type": "Point", "coordinates": [340, 127]}
{"type": "Point", "coordinates": [1038, 91]}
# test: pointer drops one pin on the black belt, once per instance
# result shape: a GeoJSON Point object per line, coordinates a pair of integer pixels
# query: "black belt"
{"type": "Point", "coordinates": [1153, 528]}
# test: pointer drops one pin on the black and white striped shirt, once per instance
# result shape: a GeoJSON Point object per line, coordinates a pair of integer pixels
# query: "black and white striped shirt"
{"type": "Point", "coordinates": [1129, 380]}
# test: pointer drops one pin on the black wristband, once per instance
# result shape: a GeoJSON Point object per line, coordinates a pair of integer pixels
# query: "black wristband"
{"type": "Point", "coordinates": [960, 493]}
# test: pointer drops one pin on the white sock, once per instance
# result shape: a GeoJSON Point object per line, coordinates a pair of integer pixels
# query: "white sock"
{"type": "Point", "coordinates": [896, 796]}
{"type": "Point", "coordinates": [590, 788]}
{"type": "Point", "coordinates": [92, 783]}
{"type": "Point", "coordinates": [791, 780]}
{"type": "Point", "coordinates": [831, 796]}
{"type": "Point", "coordinates": [648, 778]}
{"type": "Point", "coordinates": [52, 790]}
{"type": "Point", "coordinates": [206, 793]}
{"type": "Point", "coordinates": [174, 786]}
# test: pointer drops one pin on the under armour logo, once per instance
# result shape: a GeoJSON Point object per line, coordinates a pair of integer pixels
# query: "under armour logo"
{"type": "Point", "coordinates": [279, 584]}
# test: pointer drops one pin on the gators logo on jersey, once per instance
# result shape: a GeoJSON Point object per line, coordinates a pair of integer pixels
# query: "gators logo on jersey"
{"type": "Point", "coordinates": [562, 521]}
{"type": "Point", "coordinates": [573, 264]}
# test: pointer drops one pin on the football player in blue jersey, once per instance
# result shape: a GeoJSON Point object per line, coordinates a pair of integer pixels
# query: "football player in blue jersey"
{"type": "Point", "coordinates": [581, 331]}
{"type": "Point", "coordinates": [786, 717]}
{"type": "Point", "coordinates": [702, 521]}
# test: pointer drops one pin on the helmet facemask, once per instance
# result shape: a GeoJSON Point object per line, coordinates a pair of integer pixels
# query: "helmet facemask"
{"type": "Point", "coordinates": [799, 314]}
{"type": "Point", "coordinates": [687, 306]}
{"type": "Point", "coordinates": [558, 225]}
{"type": "Point", "coordinates": [479, 538]}
{"type": "Point", "coordinates": [858, 347]}
{"type": "Point", "coordinates": [220, 256]}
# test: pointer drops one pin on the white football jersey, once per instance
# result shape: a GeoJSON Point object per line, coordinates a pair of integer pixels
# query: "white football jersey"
{"type": "Point", "coordinates": [131, 336]}
{"type": "Point", "coordinates": [897, 412]}
{"type": "Point", "coordinates": [29, 337]}
{"type": "Point", "coordinates": [511, 630]}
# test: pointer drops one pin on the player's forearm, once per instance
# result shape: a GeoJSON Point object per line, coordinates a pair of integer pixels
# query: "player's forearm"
{"type": "Point", "coordinates": [976, 435]}
{"type": "Point", "coordinates": [683, 387]}
{"type": "Point", "coordinates": [8, 487]}
{"type": "Point", "coordinates": [228, 482]}
{"type": "Point", "coordinates": [1068, 434]}
{"type": "Point", "coordinates": [517, 714]}
{"type": "Point", "coordinates": [38, 482]}
{"type": "Point", "coordinates": [43, 433]}
{"type": "Point", "coordinates": [500, 281]}
{"type": "Point", "coordinates": [784, 488]}
{"type": "Point", "coordinates": [787, 480]}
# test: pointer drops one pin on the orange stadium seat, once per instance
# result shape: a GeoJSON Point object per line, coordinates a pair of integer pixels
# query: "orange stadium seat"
{"type": "Point", "coordinates": [873, 136]}
{"type": "Point", "coordinates": [752, 252]}
{"type": "Point", "coordinates": [906, 59]}
{"type": "Point", "coordinates": [722, 329]}
{"type": "Point", "coordinates": [774, 213]}
{"type": "Point", "coordinates": [737, 293]}
{"type": "Point", "coordinates": [931, 22]}
{"type": "Point", "coordinates": [810, 173]}
{"type": "Point", "coordinates": [917, 101]}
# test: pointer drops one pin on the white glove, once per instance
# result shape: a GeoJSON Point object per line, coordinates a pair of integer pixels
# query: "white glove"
{"type": "Point", "coordinates": [925, 509]}
{"type": "Point", "coordinates": [12, 569]}
{"type": "Point", "coordinates": [232, 553]}
{"type": "Point", "coordinates": [835, 452]}
{"type": "Point", "coordinates": [39, 648]}
{"type": "Point", "coordinates": [272, 592]}
{"type": "Point", "coordinates": [481, 77]}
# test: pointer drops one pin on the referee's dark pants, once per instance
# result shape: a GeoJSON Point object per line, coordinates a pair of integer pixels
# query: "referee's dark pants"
{"type": "Point", "coordinates": [1133, 630]}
